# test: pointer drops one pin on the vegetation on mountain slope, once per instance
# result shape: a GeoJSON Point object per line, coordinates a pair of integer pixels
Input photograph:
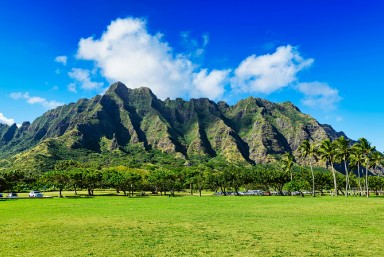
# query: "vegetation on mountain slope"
{"type": "Point", "coordinates": [253, 130]}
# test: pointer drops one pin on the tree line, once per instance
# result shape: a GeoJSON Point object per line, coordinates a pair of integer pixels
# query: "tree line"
{"type": "Point", "coordinates": [360, 157]}
{"type": "Point", "coordinates": [301, 174]}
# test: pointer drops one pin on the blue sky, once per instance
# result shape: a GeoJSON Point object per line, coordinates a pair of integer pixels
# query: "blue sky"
{"type": "Point", "coordinates": [324, 56]}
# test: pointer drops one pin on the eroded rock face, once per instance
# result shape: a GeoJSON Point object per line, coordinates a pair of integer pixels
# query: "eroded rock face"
{"type": "Point", "coordinates": [253, 130]}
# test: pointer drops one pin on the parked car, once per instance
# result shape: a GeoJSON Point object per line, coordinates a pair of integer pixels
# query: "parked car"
{"type": "Point", "coordinates": [1, 195]}
{"type": "Point", "coordinates": [35, 193]}
{"type": "Point", "coordinates": [12, 195]}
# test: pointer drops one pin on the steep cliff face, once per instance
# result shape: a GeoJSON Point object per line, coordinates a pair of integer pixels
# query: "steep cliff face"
{"type": "Point", "coordinates": [253, 130]}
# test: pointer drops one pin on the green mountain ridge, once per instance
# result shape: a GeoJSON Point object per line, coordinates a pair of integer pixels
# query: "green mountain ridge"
{"type": "Point", "coordinates": [253, 130]}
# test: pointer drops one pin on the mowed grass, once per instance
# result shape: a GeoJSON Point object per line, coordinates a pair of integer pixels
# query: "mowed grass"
{"type": "Point", "coordinates": [192, 226]}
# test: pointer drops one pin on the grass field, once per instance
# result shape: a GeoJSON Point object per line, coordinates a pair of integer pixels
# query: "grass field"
{"type": "Point", "coordinates": [192, 226]}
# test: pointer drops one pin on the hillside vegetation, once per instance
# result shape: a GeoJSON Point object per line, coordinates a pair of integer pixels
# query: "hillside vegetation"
{"type": "Point", "coordinates": [132, 123]}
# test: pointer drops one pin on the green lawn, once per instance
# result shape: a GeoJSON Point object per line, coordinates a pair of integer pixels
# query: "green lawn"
{"type": "Point", "coordinates": [192, 226]}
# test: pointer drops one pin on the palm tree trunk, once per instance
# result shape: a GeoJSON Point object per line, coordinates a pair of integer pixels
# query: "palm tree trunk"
{"type": "Point", "coordinates": [358, 174]}
{"type": "Point", "coordinates": [366, 179]}
{"type": "Point", "coordinates": [334, 179]}
{"type": "Point", "coordinates": [346, 177]}
{"type": "Point", "coordinates": [313, 180]}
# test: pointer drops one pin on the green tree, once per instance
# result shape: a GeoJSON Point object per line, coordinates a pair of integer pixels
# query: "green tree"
{"type": "Point", "coordinates": [343, 150]}
{"type": "Point", "coordinates": [58, 179]}
{"type": "Point", "coordinates": [376, 160]}
{"type": "Point", "coordinates": [356, 159]}
{"type": "Point", "coordinates": [376, 183]}
{"type": "Point", "coordinates": [159, 179]}
{"type": "Point", "coordinates": [308, 150]}
{"type": "Point", "coordinates": [366, 150]}
{"type": "Point", "coordinates": [76, 176]}
{"type": "Point", "coordinates": [323, 180]}
{"type": "Point", "coordinates": [195, 176]}
{"type": "Point", "coordinates": [12, 179]}
{"type": "Point", "coordinates": [327, 153]}
{"type": "Point", "coordinates": [235, 176]}
{"type": "Point", "coordinates": [92, 179]}
{"type": "Point", "coordinates": [287, 163]}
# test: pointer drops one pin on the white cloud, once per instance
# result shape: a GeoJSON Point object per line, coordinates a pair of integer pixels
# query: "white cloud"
{"type": "Point", "coordinates": [83, 77]}
{"type": "Point", "coordinates": [127, 52]}
{"type": "Point", "coordinates": [35, 100]}
{"type": "Point", "coordinates": [72, 88]}
{"type": "Point", "coordinates": [61, 59]}
{"type": "Point", "coordinates": [6, 120]}
{"type": "Point", "coordinates": [319, 95]}
{"type": "Point", "coordinates": [270, 72]}
{"type": "Point", "coordinates": [211, 84]}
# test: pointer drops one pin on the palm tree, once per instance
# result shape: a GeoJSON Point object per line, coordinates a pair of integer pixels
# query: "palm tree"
{"type": "Point", "coordinates": [343, 150]}
{"type": "Point", "coordinates": [288, 160]}
{"type": "Point", "coordinates": [327, 153]}
{"type": "Point", "coordinates": [376, 160]}
{"type": "Point", "coordinates": [367, 150]}
{"type": "Point", "coordinates": [307, 149]}
{"type": "Point", "coordinates": [356, 158]}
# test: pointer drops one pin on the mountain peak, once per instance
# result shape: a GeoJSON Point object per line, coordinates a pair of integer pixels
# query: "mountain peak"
{"type": "Point", "coordinates": [116, 88]}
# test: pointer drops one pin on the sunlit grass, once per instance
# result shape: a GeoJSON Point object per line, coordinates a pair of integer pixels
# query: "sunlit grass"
{"type": "Point", "coordinates": [192, 226]}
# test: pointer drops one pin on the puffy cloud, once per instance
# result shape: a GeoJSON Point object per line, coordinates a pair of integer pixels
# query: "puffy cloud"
{"type": "Point", "coordinates": [61, 59]}
{"type": "Point", "coordinates": [211, 84]}
{"type": "Point", "coordinates": [270, 72]}
{"type": "Point", "coordinates": [35, 100]}
{"type": "Point", "coordinates": [126, 52]}
{"type": "Point", "coordinates": [83, 77]}
{"type": "Point", "coordinates": [6, 120]}
{"type": "Point", "coordinates": [319, 95]}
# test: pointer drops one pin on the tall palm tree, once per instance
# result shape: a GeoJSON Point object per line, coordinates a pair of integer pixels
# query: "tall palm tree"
{"type": "Point", "coordinates": [356, 159]}
{"type": "Point", "coordinates": [342, 149]}
{"type": "Point", "coordinates": [308, 150]}
{"type": "Point", "coordinates": [367, 150]}
{"type": "Point", "coordinates": [287, 161]}
{"type": "Point", "coordinates": [376, 160]}
{"type": "Point", "coordinates": [327, 153]}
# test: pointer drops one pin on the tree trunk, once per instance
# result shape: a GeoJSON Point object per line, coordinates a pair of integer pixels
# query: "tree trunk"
{"type": "Point", "coordinates": [190, 187]}
{"type": "Point", "coordinates": [223, 191]}
{"type": "Point", "coordinates": [346, 177]}
{"type": "Point", "coordinates": [313, 180]}
{"type": "Point", "coordinates": [366, 178]}
{"type": "Point", "coordinates": [199, 191]}
{"type": "Point", "coordinates": [334, 178]}
{"type": "Point", "coordinates": [60, 194]}
{"type": "Point", "coordinates": [75, 189]}
{"type": "Point", "coordinates": [358, 174]}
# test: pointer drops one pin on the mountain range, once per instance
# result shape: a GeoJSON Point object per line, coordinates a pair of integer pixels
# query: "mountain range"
{"type": "Point", "coordinates": [253, 130]}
